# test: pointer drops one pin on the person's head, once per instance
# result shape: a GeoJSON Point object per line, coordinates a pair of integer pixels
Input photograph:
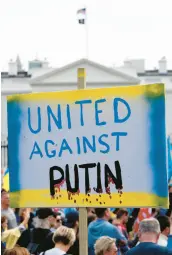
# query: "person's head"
{"type": "Point", "coordinates": [53, 221]}
{"type": "Point", "coordinates": [72, 220]}
{"type": "Point", "coordinates": [58, 220]}
{"type": "Point", "coordinates": [164, 222]}
{"type": "Point", "coordinates": [4, 223]}
{"type": "Point", "coordinates": [105, 245]}
{"type": "Point", "coordinates": [122, 215]}
{"type": "Point", "coordinates": [3, 191]}
{"type": "Point", "coordinates": [5, 200]}
{"type": "Point", "coordinates": [16, 251]}
{"type": "Point", "coordinates": [64, 238]}
{"type": "Point", "coordinates": [170, 188]}
{"type": "Point", "coordinates": [90, 211]}
{"type": "Point", "coordinates": [116, 210]}
{"type": "Point", "coordinates": [44, 218]}
{"type": "Point", "coordinates": [91, 218]}
{"type": "Point", "coordinates": [149, 230]}
{"type": "Point", "coordinates": [103, 213]}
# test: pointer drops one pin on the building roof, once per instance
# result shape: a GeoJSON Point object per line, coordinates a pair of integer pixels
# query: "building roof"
{"type": "Point", "coordinates": [128, 78]}
{"type": "Point", "coordinates": [20, 74]}
{"type": "Point", "coordinates": [155, 73]}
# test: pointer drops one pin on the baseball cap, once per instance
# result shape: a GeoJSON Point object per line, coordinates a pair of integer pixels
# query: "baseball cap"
{"type": "Point", "coordinates": [71, 218]}
{"type": "Point", "coordinates": [44, 213]}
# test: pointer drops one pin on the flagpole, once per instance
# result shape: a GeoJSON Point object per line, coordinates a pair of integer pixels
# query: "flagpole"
{"type": "Point", "coordinates": [86, 34]}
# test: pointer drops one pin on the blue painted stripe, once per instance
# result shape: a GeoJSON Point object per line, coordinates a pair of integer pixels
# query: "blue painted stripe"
{"type": "Point", "coordinates": [14, 127]}
{"type": "Point", "coordinates": [169, 146]}
{"type": "Point", "coordinates": [157, 150]}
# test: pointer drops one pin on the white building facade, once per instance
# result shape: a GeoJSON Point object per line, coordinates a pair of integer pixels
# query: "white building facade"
{"type": "Point", "coordinates": [40, 77]}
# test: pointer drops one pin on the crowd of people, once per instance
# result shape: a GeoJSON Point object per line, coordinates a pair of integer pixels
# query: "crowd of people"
{"type": "Point", "coordinates": [55, 231]}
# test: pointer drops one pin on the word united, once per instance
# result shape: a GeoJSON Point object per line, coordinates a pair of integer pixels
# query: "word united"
{"type": "Point", "coordinates": [49, 120]}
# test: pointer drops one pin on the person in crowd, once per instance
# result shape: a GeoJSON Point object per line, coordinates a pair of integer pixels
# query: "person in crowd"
{"type": "Point", "coordinates": [133, 237]}
{"type": "Point", "coordinates": [56, 222]}
{"type": "Point", "coordinates": [16, 212]}
{"type": "Point", "coordinates": [72, 221]}
{"type": "Point", "coordinates": [4, 226]}
{"type": "Point", "coordinates": [169, 245]}
{"type": "Point", "coordinates": [105, 245]}
{"type": "Point", "coordinates": [90, 211]}
{"type": "Point", "coordinates": [131, 219]}
{"type": "Point", "coordinates": [2, 248]}
{"type": "Point", "coordinates": [121, 220]}
{"type": "Point", "coordinates": [61, 213]}
{"type": "Point", "coordinates": [16, 251]}
{"type": "Point", "coordinates": [10, 237]}
{"type": "Point", "coordinates": [91, 218]}
{"type": "Point", "coordinates": [3, 191]}
{"type": "Point", "coordinates": [67, 210]}
{"type": "Point", "coordinates": [164, 222]}
{"type": "Point", "coordinates": [4, 223]}
{"type": "Point", "coordinates": [21, 214]}
{"type": "Point", "coordinates": [7, 211]}
{"type": "Point", "coordinates": [39, 239]}
{"type": "Point", "coordinates": [53, 222]}
{"type": "Point", "coordinates": [169, 211]}
{"type": "Point", "coordinates": [155, 212]}
{"type": "Point", "coordinates": [149, 231]}
{"type": "Point", "coordinates": [116, 210]}
{"type": "Point", "coordinates": [63, 239]}
{"type": "Point", "coordinates": [101, 227]}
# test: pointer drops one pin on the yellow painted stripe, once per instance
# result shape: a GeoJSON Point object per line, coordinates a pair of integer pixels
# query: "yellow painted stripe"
{"type": "Point", "coordinates": [6, 182]}
{"type": "Point", "coordinates": [152, 90]}
{"type": "Point", "coordinates": [41, 198]}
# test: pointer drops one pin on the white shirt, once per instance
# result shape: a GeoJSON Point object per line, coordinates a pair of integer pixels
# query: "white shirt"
{"type": "Point", "coordinates": [54, 251]}
{"type": "Point", "coordinates": [163, 240]}
{"type": "Point", "coordinates": [9, 214]}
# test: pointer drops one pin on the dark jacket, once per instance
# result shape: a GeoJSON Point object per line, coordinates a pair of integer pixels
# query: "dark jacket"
{"type": "Point", "coordinates": [148, 248]}
{"type": "Point", "coordinates": [42, 237]}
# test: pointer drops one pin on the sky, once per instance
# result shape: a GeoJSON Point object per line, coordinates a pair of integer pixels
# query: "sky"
{"type": "Point", "coordinates": [116, 29]}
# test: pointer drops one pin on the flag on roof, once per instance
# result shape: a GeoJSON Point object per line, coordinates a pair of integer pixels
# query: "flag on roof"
{"type": "Point", "coordinates": [81, 13]}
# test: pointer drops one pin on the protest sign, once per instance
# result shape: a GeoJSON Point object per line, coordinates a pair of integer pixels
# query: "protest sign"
{"type": "Point", "coordinates": [88, 148]}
